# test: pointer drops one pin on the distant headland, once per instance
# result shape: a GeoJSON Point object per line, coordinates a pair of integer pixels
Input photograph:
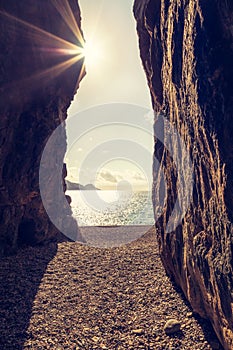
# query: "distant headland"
{"type": "Point", "coordinates": [73, 186]}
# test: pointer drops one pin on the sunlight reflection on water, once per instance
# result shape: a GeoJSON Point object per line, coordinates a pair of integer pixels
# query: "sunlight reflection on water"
{"type": "Point", "coordinates": [110, 208]}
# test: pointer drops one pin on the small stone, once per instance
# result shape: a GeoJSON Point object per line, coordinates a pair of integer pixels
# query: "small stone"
{"type": "Point", "coordinates": [188, 322]}
{"type": "Point", "coordinates": [86, 329]}
{"type": "Point", "coordinates": [137, 331]}
{"type": "Point", "coordinates": [189, 314]}
{"type": "Point", "coordinates": [172, 326]}
{"type": "Point", "coordinates": [95, 339]}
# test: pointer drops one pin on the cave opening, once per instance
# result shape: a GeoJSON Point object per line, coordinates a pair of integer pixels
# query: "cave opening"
{"type": "Point", "coordinates": [109, 161]}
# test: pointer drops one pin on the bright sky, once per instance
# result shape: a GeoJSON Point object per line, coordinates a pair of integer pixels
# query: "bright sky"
{"type": "Point", "coordinates": [114, 74]}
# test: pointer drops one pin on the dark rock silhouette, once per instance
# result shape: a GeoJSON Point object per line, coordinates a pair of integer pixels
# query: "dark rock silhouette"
{"type": "Point", "coordinates": [37, 86]}
{"type": "Point", "coordinates": [186, 50]}
{"type": "Point", "coordinates": [73, 186]}
{"type": "Point", "coordinates": [20, 278]}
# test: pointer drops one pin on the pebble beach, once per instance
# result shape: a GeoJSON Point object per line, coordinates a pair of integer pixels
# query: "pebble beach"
{"type": "Point", "coordinates": [72, 296]}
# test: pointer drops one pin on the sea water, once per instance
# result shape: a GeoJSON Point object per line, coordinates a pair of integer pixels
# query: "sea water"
{"type": "Point", "coordinates": [112, 208]}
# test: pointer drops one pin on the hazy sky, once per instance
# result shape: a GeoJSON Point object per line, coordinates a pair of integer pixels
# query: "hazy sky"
{"type": "Point", "coordinates": [114, 74]}
{"type": "Point", "coordinates": [110, 27]}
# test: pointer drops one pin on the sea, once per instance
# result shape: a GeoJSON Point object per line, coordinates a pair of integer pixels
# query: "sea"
{"type": "Point", "coordinates": [112, 208]}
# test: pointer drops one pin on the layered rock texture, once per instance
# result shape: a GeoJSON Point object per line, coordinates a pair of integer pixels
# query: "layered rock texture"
{"type": "Point", "coordinates": [39, 75]}
{"type": "Point", "coordinates": [187, 52]}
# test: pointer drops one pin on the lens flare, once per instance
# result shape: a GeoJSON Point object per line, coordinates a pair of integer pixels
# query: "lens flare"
{"type": "Point", "coordinates": [51, 44]}
{"type": "Point", "coordinates": [67, 14]}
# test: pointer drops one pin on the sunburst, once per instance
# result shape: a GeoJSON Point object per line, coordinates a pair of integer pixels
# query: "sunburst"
{"type": "Point", "coordinates": [53, 44]}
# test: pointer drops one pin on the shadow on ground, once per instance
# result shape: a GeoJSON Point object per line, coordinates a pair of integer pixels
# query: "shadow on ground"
{"type": "Point", "coordinates": [207, 328]}
{"type": "Point", "coordinates": [20, 278]}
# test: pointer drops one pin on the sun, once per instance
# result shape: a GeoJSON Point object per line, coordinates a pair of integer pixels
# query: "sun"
{"type": "Point", "coordinates": [93, 53]}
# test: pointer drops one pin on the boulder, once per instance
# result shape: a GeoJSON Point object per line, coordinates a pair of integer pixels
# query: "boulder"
{"type": "Point", "coordinates": [37, 85]}
{"type": "Point", "coordinates": [186, 49]}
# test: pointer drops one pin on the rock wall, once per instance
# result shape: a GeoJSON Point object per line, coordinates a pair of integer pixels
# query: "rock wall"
{"type": "Point", "coordinates": [39, 75]}
{"type": "Point", "coordinates": [187, 52]}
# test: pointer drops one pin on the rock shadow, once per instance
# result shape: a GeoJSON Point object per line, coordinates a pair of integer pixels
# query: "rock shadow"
{"type": "Point", "coordinates": [20, 278]}
{"type": "Point", "coordinates": [208, 330]}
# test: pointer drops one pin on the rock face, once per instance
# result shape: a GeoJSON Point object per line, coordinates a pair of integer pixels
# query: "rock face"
{"type": "Point", "coordinates": [187, 52]}
{"type": "Point", "coordinates": [39, 74]}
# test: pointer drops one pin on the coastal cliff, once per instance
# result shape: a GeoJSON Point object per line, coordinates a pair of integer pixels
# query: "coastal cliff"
{"type": "Point", "coordinates": [39, 75]}
{"type": "Point", "coordinates": [187, 53]}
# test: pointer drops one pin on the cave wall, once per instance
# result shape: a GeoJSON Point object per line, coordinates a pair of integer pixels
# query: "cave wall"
{"type": "Point", "coordinates": [33, 101]}
{"type": "Point", "coordinates": [186, 48]}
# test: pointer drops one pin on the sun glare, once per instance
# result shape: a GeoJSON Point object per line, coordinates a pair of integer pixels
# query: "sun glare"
{"type": "Point", "coordinates": [53, 45]}
{"type": "Point", "coordinates": [92, 53]}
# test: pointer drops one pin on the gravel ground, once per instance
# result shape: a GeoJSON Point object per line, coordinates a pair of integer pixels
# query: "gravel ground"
{"type": "Point", "coordinates": [69, 296]}
{"type": "Point", "coordinates": [112, 236]}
